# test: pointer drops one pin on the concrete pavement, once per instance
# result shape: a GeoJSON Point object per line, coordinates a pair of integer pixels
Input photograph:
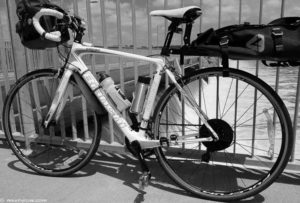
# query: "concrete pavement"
{"type": "Point", "coordinates": [113, 178]}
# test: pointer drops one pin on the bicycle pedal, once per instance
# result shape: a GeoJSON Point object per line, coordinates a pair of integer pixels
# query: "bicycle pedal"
{"type": "Point", "coordinates": [144, 180]}
{"type": "Point", "coordinates": [205, 157]}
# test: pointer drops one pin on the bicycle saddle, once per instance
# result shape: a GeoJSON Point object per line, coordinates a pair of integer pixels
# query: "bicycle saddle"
{"type": "Point", "coordinates": [184, 15]}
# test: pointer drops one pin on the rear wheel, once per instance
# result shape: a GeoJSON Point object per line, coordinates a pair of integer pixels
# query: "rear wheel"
{"type": "Point", "coordinates": [64, 147]}
{"type": "Point", "coordinates": [251, 121]}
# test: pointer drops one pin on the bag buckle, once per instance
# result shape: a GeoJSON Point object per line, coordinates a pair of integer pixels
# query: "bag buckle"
{"type": "Point", "coordinates": [277, 32]}
{"type": "Point", "coordinates": [277, 35]}
{"type": "Point", "coordinates": [224, 41]}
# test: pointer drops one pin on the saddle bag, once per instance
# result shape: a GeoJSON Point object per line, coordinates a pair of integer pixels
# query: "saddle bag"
{"type": "Point", "coordinates": [30, 38]}
{"type": "Point", "coordinates": [277, 41]}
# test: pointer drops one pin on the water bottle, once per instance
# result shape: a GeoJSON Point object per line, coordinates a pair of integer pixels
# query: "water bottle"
{"type": "Point", "coordinates": [115, 94]}
{"type": "Point", "coordinates": [140, 94]}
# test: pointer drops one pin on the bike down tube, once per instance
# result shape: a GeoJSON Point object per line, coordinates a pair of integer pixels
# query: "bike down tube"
{"type": "Point", "coordinates": [194, 105]}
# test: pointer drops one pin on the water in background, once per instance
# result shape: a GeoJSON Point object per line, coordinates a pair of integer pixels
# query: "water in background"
{"type": "Point", "coordinates": [287, 88]}
{"type": "Point", "coordinates": [287, 85]}
{"type": "Point", "coordinates": [288, 76]}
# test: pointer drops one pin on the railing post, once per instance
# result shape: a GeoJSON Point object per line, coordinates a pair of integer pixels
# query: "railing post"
{"type": "Point", "coordinates": [104, 34]}
{"type": "Point", "coordinates": [19, 56]}
{"type": "Point", "coordinates": [90, 34]}
{"type": "Point", "coordinates": [296, 116]}
{"type": "Point", "coordinates": [133, 15]}
{"type": "Point", "coordinates": [4, 49]}
{"type": "Point", "coordinates": [150, 44]}
{"type": "Point", "coordinates": [19, 52]}
{"type": "Point", "coordinates": [255, 91]}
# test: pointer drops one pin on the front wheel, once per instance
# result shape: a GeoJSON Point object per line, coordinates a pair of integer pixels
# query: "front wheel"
{"type": "Point", "coordinates": [253, 125]}
{"type": "Point", "coordinates": [64, 147]}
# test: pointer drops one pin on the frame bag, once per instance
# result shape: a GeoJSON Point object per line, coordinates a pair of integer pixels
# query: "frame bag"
{"type": "Point", "coordinates": [277, 41]}
{"type": "Point", "coordinates": [30, 38]}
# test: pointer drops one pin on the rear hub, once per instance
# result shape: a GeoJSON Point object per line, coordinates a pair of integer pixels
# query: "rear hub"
{"type": "Point", "coordinates": [223, 130]}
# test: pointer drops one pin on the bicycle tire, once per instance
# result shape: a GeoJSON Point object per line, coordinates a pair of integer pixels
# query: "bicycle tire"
{"type": "Point", "coordinates": [63, 148]}
{"type": "Point", "coordinates": [232, 168]}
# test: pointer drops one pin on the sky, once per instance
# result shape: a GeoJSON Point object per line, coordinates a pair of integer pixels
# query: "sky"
{"type": "Point", "coordinates": [210, 16]}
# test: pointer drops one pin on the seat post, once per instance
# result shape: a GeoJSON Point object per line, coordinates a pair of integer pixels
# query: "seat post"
{"type": "Point", "coordinates": [165, 51]}
{"type": "Point", "coordinates": [173, 28]}
{"type": "Point", "coordinates": [187, 33]}
{"type": "Point", "coordinates": [186, 40]}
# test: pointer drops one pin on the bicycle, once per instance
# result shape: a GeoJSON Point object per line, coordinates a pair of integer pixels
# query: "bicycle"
{"type": "Point", "coordinates": [202, 130]}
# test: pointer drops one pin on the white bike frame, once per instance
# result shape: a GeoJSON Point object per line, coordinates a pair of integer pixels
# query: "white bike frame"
{"type": "Point", "coordinates": [77, 51]}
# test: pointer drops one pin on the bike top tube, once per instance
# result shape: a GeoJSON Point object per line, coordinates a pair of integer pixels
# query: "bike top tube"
{"type": "Point", "coordinates": [80, 49]}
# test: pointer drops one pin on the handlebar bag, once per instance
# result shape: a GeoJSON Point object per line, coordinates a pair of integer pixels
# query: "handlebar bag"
{"type": "Point", "coordinates": [277, 41]}
{"type": "Point", "coordinates": [30, 38]}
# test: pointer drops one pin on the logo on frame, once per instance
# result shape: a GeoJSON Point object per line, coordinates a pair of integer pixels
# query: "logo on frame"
{"type": "Point", "coordinates": [257, 43]}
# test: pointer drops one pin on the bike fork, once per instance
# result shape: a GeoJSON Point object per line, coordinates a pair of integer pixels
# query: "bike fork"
{"type": "Point", "coordinates": [59, 101]}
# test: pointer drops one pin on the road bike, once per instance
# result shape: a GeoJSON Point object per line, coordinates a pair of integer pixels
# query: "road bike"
{"type": "Point", "coordinates": [219, 133]}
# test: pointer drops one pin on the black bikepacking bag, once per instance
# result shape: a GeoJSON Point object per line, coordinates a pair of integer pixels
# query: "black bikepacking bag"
{"type": "Point", "coordinates": [30, 38]}
{"type": "Point", "coordinates": [277, 41]}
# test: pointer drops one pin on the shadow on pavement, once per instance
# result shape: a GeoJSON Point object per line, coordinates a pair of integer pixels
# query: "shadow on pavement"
{"type": "Point", "coordinates": [126, 169]}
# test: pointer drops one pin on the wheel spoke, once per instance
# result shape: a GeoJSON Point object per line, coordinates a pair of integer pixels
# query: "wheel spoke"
{"type": "Point", "coordinates": [244, 113]}
{"type": "Point", "coordinates": [227, 97]}
{"type": "Point", "coordinates": [236, 99]}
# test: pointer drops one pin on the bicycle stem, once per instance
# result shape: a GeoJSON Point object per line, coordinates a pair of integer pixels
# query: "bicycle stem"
{"type": "Point", "coordinates": [194, 105]}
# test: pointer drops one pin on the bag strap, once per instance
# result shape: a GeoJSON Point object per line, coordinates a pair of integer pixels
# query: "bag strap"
{"type": "Point", "coordinates": [224, 50]}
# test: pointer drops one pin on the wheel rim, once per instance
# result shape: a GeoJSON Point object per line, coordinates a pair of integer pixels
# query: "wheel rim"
{"type": "Point", "coordinates": [223, 170]}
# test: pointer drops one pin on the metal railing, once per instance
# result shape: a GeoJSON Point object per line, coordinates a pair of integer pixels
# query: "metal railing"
{"type": "Point", "coordinates": [107, 14]}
